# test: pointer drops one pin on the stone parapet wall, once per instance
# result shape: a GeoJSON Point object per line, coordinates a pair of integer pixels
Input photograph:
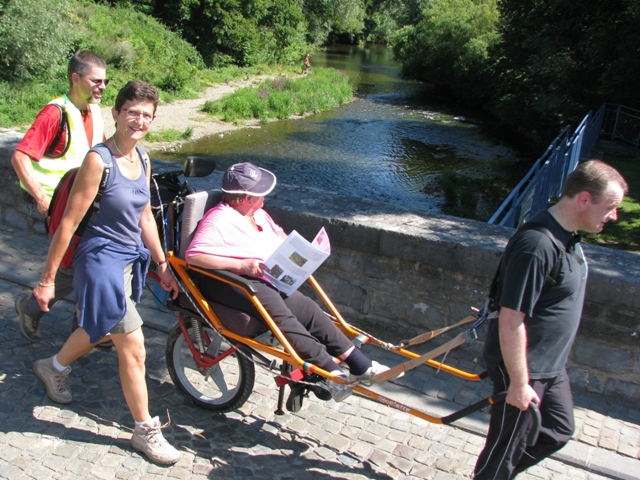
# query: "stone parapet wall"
{"type": "Point", "coordinates": [401, 273]}
{"type": "Point", "coordinates": [420, 273]}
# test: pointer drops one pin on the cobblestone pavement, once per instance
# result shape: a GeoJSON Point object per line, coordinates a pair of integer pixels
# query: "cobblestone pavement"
{"type": "Point", "coordinates": [354, 439]}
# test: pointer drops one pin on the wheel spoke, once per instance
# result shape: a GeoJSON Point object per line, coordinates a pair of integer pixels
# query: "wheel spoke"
{"type": "Point", "coordinates": [221, 387]}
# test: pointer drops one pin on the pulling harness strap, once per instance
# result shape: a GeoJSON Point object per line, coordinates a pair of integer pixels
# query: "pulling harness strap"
{"type": "Point", "coordinates": [424, 337]}
{"type": "Point", "coordinates": [413, 363]}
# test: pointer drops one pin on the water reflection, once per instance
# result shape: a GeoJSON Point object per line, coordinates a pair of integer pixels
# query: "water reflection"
{"type": "Point", "coordinates": [385, 145]}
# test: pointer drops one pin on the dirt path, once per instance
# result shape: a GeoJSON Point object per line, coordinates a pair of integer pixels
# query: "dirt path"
{"type": "Point", "coordinates": [181, 114]}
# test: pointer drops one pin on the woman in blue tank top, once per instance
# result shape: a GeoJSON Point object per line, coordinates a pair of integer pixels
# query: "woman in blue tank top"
{"type": "Point", "coordinates": [110, 265]}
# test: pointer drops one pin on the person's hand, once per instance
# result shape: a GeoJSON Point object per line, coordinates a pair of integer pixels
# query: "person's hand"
{"type": "Point", "coordinates": [167, 281]}
{"type": "Point", "coordinates": [520, 396]}
{"type": "Point", "coordinates": [252, 267]}
{"type": "Point", "coordinates": [43, 295]}
{"type": "Point", "coordinates": [43, 205]}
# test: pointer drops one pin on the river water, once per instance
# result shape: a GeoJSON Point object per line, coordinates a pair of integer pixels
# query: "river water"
{"type": "Point", "coordinates": [389, 144]}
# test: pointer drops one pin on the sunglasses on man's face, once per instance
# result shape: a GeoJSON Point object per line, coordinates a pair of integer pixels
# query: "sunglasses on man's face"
{"type": "Point", "coordinates": [98, 81]}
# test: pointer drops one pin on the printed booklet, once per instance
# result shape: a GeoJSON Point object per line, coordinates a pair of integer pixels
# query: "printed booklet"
{"type": "Point", "coordinates": [296, 259]}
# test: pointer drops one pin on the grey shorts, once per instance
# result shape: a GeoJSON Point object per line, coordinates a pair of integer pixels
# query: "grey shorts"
{"type": "Point", "coordinates": [132, 319]}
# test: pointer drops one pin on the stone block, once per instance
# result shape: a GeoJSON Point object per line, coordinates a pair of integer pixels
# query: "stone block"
{"type": "Point", "coordinates": [604, 357]}
{"type": "Point", "coordinates": [627, 390]}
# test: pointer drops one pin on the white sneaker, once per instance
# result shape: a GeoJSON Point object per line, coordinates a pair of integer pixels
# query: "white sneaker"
{"type": "Point", "coordinates": [149, 440]}
{"type": "Point", "coordinates": [375, 369]}
{"type": "Point", "coordinates": [339, 391]}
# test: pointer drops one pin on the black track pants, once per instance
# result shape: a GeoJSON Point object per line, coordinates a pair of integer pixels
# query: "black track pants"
{"type": "Point", "coordinates": [505, 453]}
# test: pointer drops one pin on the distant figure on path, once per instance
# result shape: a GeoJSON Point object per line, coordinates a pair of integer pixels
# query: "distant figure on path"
{"type": "Point", "coordinates": [306, 64]}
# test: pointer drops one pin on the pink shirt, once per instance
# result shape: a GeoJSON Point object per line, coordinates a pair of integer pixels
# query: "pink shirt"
{"type": "Point", "coordinates": [224, 232]}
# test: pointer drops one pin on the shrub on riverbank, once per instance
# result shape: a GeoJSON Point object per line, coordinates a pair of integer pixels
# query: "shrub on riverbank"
{"type": "Point", "coordinates": [134, 45]}
{"type": "Point", "coordinates": [323, 89]}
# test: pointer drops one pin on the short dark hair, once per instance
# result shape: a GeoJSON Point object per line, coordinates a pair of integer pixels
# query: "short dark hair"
{"type": "Point", "coordinates": [595, 177]}
{"type": "Point", "coordinates": [233, 198]}
{"type": "Point", "coordinates": [137, 90]}
{"type": "Point", "coordinates": [83, 61]}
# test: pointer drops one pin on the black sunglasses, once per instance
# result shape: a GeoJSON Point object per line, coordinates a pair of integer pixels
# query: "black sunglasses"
{"type": "Point", "coordinates": [98, 81]}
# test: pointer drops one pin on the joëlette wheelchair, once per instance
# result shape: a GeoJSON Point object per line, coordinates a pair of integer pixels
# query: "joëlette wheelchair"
{"type": "Point", "coordinates": [212, 351]}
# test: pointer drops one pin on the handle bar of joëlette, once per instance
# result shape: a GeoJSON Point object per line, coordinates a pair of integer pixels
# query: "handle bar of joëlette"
{"type": "Point", "coordinates": [533, 410]}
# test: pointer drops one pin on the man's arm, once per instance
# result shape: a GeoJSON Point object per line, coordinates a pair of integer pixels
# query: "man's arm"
{"type": "Point", "coordinates": [22, 165]}
{"type": "Point", "coordinates": [513, 343]}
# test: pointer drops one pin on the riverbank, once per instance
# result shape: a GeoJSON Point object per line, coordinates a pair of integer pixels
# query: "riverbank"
{"type": "Point", "coordinates": [182, 114]}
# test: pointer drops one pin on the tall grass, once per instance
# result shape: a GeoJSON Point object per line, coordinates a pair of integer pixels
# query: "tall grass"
{"type": "Point", "coordinates": [280, 98]}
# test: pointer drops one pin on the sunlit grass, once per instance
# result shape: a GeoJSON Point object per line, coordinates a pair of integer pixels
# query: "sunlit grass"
{"type": "Point", "coordinates": [623, 233]}
{"type": "Point", "coordinates": [169, 135]}
{"type": "Point", "coordinates": [283, 97]}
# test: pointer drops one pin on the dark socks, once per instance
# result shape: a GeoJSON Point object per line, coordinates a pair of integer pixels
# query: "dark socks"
{"type": "Point", "coordinates": [358, 362]}
{"type": "Point", "coordinates": [331, 366]}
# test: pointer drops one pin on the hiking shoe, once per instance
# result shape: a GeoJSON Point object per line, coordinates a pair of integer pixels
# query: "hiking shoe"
{"type": "Point", "coordinates": [54, 381]}
{"type": "Point", "coordinates": [148, 439]}
{"type": "Point", "coordinates": [375, 369]}
{"type": "Point", "coordinates": [29, 327]}
{"type": "Point", "coordinates": [339, 391]}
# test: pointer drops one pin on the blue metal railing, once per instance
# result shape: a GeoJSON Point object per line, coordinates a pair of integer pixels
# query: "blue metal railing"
{"type": "Point", "coordinates": [546, 177]}
{"type": "Point", "coordinates": [621, 123]}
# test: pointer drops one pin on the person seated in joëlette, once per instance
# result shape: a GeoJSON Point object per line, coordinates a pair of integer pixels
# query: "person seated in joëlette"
{"type": "Point", "coordinates": [238, 235]}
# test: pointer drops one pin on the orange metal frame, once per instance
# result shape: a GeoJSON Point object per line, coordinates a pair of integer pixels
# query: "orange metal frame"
{"type": "Point", "coordinates": [288, 354]}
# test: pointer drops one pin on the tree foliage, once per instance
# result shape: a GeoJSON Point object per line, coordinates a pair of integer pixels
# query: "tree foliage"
{"type": "Point", "coordinates": [558, 59]}
{"type": "Point", "coordinates": [136, 45]}
{"type": "Point", "coordinates": [240, 32]}
{"type": "Point", "coordinates": [449, 46]}
{"type": "Point", "coordinates": [34, 37]}
{"type": "Point", "coordinates": [337, 17]}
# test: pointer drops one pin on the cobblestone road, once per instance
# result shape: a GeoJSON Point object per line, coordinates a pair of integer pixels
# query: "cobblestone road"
{"type": "Point", "coordinates": [354, 439]}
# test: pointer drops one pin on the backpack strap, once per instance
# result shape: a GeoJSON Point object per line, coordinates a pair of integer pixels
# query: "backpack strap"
{"type": "Point", "coordinates": [494, 290]}
{"type": "Point", "coordinates": [63, 126]}
{"type": "Point", "coordinates": [106, 175]}
{"type": "Point", "coordinates": [560, 248]}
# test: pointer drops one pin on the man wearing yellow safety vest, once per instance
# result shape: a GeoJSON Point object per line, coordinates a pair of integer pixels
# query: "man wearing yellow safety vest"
{"type": "Point", "coordinates": [60, 137]}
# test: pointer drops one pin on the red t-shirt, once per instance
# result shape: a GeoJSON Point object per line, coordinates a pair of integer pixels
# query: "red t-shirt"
{"type": "Point", "coordinates": [44, 129]}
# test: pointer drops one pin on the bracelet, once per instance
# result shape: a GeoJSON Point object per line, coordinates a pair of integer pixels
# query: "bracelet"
{"type": "Point", "coordinates": [161, 262]}
{"type": "Point", "coordinates": [40, 284]}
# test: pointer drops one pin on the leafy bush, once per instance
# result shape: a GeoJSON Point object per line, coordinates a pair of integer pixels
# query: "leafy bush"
{"type": "Point", "coordinates": [243, 33]}
{"type": "Point", "coordinates": [281, 98]}
{"type": "Point", "coordinates": [138, 47]}
{"type": "Point", "coordinates": [449, 46]}
{"type": "Point", "coordinates": [34, 37]}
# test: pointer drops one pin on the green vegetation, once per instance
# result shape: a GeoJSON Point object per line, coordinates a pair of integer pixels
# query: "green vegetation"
{"type": "Point", "coordinates": [535, 65]}
{"type": "Point", "coordinates": [27, 49]}
{"type": "Point", "coordinates": [448, 46]}
{"type": "Point", "coordinates": [168, 135]}
{"type": "Point", "coordinates": [472, 196]}
{"type": "Point", "coordinates": [322, 89]}
{"type": "Point", "coordinates": [623, 233]}
{"type": "Point", "coordinates": [134, 45]}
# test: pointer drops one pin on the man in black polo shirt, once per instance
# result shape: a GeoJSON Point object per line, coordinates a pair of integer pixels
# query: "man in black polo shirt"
{"type": "Point", "coordinates": [527, 346]}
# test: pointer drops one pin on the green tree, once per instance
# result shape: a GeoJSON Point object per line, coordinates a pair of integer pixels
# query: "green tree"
{"type": "Point", "coordinates": [558, 59]}
{"type": "Point", "coordinates": [448, 47]}
{"type": "Point", "coordinates": [343, 18]}
{"type": "Point", "coordinates": [240, 32]}
{"type": "Point", "coordinates": [385, 17]}
{"type": "Point", "coordinates": [34, 37]}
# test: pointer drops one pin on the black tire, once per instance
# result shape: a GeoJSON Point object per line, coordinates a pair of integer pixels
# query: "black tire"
{"type": "Point", "coordinates": [223, 387]}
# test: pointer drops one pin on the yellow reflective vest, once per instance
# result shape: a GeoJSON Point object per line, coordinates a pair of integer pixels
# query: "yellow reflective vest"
{"type": "Point", "coordinates": [49, 171]}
